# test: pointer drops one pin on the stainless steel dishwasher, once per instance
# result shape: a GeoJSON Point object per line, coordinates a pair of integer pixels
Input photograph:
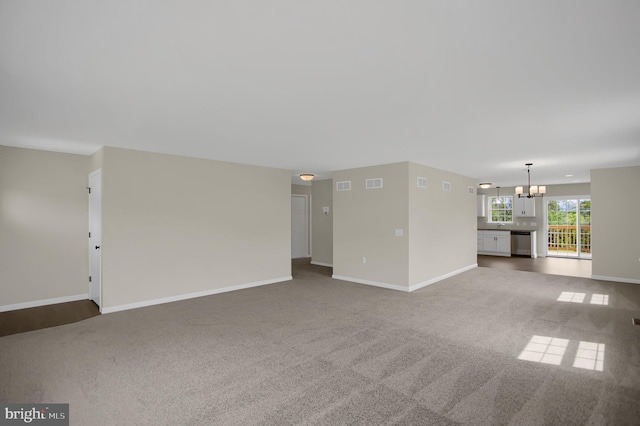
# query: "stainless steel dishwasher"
{"type": "Point", "coordinates": [521, 243]}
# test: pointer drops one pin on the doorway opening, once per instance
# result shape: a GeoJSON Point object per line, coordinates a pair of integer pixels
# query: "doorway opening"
{"type": "Point", "coordinates": [299, 226]}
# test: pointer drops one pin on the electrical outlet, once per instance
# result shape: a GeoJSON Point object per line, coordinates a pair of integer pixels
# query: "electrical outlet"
{"type": "Point", "coordinates": [364, 260]}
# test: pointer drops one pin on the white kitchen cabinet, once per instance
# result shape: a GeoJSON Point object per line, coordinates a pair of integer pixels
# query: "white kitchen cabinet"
{"type": "Point", "coordinates": [482, 206]}
{"type": "Point", "coordinates": [524, 207]}
{"type": "Point", "coordinates": [496, 243]}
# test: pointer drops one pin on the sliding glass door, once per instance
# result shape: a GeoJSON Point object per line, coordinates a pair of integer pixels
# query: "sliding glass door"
{"type": "Point", "coordinates": [569, 227]}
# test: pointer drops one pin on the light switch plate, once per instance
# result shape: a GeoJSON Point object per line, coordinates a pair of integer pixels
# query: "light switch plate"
{"type": "Point", "coordinates": [399, 232]}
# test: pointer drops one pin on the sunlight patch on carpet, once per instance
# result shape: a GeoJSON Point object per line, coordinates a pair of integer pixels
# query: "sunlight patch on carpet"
{"type": "Point", "coordinates": [546, 350]}
{"type": "Point", "coordinates": [590, 356]}
{"type": "Point", "coordinates": [570, 296]}
{"type": "Point", "coordinates": [600, 299]}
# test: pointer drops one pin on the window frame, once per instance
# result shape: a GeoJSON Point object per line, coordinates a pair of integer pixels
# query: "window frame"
{"type": "Point", "coordinates": [491, 210]}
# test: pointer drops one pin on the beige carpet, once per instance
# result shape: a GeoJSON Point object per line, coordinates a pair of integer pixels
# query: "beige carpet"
{"type": "Point", "coordinates": [320, 351]}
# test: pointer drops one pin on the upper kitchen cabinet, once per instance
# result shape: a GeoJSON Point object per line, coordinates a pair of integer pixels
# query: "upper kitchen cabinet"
{"type": "Point", "coordinates": [482, 206]}
{"type": "Point", "coordinates": [524, 207]}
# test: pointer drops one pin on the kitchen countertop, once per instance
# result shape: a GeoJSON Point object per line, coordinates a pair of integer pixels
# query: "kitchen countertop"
{"type": "Point", "coordinates": [504, 228]}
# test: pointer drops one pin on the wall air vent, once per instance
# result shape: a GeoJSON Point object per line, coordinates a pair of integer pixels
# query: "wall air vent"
{"type": "Point", "coordinates": [446, 186]}
{"type": "Point", "coordinates": [422, 182]}
{"type": "Point", "coordinates": [373, 183]}
{"type": "Point", "coordinates": [343, 186]}
{"type": "Point", "coordinates": [471, 190]}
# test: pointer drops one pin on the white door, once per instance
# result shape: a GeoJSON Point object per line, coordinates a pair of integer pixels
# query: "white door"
{"type": "Point", "coordinates": [95, 236]}
{"type": "Point", "coordinates": [299, 227]}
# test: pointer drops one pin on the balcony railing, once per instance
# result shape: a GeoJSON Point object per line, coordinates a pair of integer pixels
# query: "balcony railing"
{"type": "Point", "coordinates": [566, 238]}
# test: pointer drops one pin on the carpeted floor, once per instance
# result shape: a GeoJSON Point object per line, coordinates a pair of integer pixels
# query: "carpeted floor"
{"type": "Point", "coordinates": [321, 351]}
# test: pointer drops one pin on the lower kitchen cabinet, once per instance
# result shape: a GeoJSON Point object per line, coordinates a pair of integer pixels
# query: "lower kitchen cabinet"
{"type": "Point", "coordinates": [496, 243]}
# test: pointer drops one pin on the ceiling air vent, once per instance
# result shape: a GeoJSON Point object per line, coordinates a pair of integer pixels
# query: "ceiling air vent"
{"type": "Point", "coordinates": [343, 186]}
{"type": "Point", "coordinates": [373, 183]}
{"type": "Point", "coordinates": [471, 190]}
{"type": "Point", "coordinates": [446, 186]}
{"type": "Point", "coordinates": [422, 182]}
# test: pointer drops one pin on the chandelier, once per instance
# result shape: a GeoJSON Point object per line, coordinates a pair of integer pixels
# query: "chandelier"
{"type": "Point", "coordinates": [532, 191]}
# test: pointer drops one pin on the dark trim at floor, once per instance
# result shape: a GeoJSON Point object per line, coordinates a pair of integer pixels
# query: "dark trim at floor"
{"type": "Point", "coordinates": [544, 265]}
{"type": "Point", "coordinates": [22, 320]}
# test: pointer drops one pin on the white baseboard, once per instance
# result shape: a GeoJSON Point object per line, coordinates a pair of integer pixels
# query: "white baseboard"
{"type": "Point", "coordinates": [617, 279]}
{"type": "Point", "coordinates": [118, 308]}
{"type": "Point", "coordinates": [402, 288]}
{"type": "Point", "coordinates": [373, 283]}
{"type": "Point", "coordinates": [442, 277]}
{"type": "Point", "coordinates": [322, 264]}
{"type": "Point", "coordinates": [44, 302]}
{"type": "Point", "coordinates": [488, 253]}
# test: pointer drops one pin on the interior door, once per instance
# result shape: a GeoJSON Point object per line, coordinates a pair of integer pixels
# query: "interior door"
{"type": "Point", "coordinates": [95, 236]}
{"type": "Point", "coordinates": [299, 226]}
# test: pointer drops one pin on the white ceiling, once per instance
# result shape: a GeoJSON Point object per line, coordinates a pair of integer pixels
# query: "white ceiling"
{"type": "Point", "coordinates": [473, 87]}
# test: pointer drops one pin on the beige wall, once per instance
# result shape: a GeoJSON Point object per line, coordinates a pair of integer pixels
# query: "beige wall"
{"type": "Point", "coordinates": [301, 190]}
{"type": "Point", "coordinates": [615, 209]}
{"type": "Point", "coordinates": [322, 225]}
{"type": "Point", "coordinates": [43, 226]}
{"type": "Point", "coordinates": [438, 228]}
{"type": "Point", "coordinates": [175, 226]}
{"type": "Point", "coordinates": [96, 159]}
{"type": "Point", "coordinates": [442, 224]}
{"type": "Point", "coordinates": [364, 221]}
{"type": "Point", "coordinates": [567, 190]}
{"type": "Point", "coordinates": [537, 222]}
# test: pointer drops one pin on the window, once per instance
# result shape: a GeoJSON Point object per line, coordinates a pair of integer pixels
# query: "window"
{"type": "Point", "coordinates": [569, 227]}
{"type": "Point", "coordinates": [501, 209]}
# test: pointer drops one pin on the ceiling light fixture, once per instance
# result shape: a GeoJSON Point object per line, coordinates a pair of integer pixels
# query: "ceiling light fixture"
{"type": "Point", "coordinates": [306, 177]}
{"type": "Point", "coordinates": [485, 185]}
{"type": "Point", "coordinates": [532, 191]}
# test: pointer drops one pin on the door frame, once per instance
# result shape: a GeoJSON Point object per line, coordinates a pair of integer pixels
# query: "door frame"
{"type": "Point", "coordinates": [91, 242]}
{"type": "Point", "coordinates": [545, 207]}
{"type": "Point", "coordinates": [307, 215]}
